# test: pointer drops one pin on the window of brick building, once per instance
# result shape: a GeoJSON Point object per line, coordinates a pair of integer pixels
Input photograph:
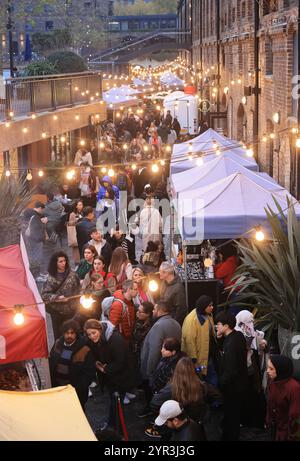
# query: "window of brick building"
{"type": "Point", "coordinates": [243, 10]}
{"type": "Point", "coordinates": [233, 13]}
{"type": "Point", "coordinates": [268, 56]}
{"type": "Point", "coordinates": [270, 6]}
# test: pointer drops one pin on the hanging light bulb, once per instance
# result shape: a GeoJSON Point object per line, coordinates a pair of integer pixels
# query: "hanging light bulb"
{"type": "Point", "coordinates": [153, 286]}
{"type": "Point", "coordinates": [162, 162]}
{"type": "Point", "coordinates": [264, 138]}
{"type": "Point", "coordinates": [155, 168]}
{"type": "Point", "coordinates": [260, 236]}
{"type": "Point", "coordinates": [250, 152]}
{"type": "Point", "coordinates": [190, 157]}
{"type": "Point", "coordinates": [86, 301]}
{"type": "Point", "coordinates": [168, 148]}
{"type": "Point", "coordinates": [111, 172]}
{"type": "Point", "coordinates": [55, 117]}
{"type": "Point", "coordinates": [62, 139]}
{"type": "Point", "coordinates": [33, 116]}
{"type": "Point", "coordinates": [294, 130]}
{"type": "Point", "coordinates": [190, 146]}
{"type": "Point", "coordinates": [11, 113]}
{"type": "Point", "coordinates": [272, 135]}
{"type": "Point", "coordinates": [40, 173]}
{"type": "Point", "coordinates": [29, 176]}
{"type": "Point", "coordinates": [82, 142]}
{"type": "Point", "coordinates": [101, 145]}
{"type": "Point", "coordinates": [77, 117]}
{"type": "Point", "coordinates": [103, 169]}
{"type": "Point", "coordinates": [215, 145]}
{"type": "Point", "coordinates": [7, 173]}
{"type": "Point", "coordinates": [218, 151]}
{"type": "Point", "coordinates": [298, 143]}
{"type": "Point", "coordinates": [125, 146]}
{"type": "Point", "coordinates": [25, 130]}
{"type": "Point", "coordinates": [7, 124]}
{"type": "Point", "coordinates": [69, 175]}
{"type": "Point", "coordinates": [133, 166]}
{"type": "Point", "coordinates": [19, 316]}
{"type": "Point", "coordinates": [44, 135]}
{"type": "Point", "coordinates": [199, 161]}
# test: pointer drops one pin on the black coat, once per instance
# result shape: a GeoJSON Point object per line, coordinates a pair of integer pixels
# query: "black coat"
{"type": "Point", "coordinates": [83, 229]}
{"type": "Point", "coordinates": [113, 350]}
{"type": "Point", "coordinates": [37, 228]}
{"type": "Point", "coordinates": [140, 180]}
{"type": "Point", "coordinates": [82, 367]}
{"type": "Point", "coordinates": [233, 363]}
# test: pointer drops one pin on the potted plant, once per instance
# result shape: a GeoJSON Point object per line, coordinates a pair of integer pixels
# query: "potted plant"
{"type": "Point", "coordinates": [269, 280]}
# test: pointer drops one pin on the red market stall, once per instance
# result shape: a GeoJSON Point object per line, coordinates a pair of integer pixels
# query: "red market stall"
{"type": "Point", "coordinates": [17, 287]}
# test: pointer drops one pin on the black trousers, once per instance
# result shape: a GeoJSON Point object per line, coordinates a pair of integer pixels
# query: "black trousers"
{"type": "Point", "coordinates": [233, 403]}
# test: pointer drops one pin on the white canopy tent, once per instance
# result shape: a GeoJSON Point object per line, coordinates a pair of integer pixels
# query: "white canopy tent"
{"type": "Point", "coordinates": [208, 141]}
{"type": "Point", "coordinates": [178, 166]}
{"type": "Point", "coordinates": [124, 95]}
{"type": "Point", "coordinates": [185, 108]}
{"type": "Point", "coordinates": [217, 169]}
{"type": "Point", "coordinates": [168, 78]}
{"type": "Point", "coordinates": [227, 208]}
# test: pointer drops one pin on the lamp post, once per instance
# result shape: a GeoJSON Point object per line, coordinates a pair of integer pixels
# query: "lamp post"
{"type": "Point", "coordinates": [9, 27]}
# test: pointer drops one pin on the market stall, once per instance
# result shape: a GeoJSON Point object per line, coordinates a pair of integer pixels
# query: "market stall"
{"type": "Point", "coordinates": [49, 415]}
{"type": "Point", "coordinates": [20, 342]}
{"type": "Point", "coordinates": [185, 108]}
{"type": "Point", "coordinates": [213, 171]}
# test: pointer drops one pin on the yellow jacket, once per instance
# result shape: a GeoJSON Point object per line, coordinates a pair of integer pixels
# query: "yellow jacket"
{"type": "Point", "coordinates": [195, 338]}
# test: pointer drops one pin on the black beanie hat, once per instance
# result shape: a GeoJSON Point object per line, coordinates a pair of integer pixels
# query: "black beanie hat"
{"type": "Point", "coordinates": [283, 365]}
{"type": "Point", "coordinates": [202, 303]}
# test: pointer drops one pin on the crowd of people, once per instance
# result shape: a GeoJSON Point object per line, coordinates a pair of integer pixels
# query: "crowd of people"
{"type": "Point", "coordinates": [189, 365]}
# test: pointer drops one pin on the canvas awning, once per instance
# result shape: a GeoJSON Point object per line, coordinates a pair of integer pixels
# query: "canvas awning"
{"type": "Point", "coordinates": [49, 415]}
{"type": "Point", "coordinates": [17, 287]}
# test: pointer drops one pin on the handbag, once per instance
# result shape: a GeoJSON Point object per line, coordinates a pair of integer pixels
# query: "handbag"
{"type": "Point", "coordinates": [72, 236]}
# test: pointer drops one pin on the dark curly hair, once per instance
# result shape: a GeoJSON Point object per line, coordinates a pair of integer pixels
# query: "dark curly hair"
{"type": "Point", "coordinates": [52, 268]}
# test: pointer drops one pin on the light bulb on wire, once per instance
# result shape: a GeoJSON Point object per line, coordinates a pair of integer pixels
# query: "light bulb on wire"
{"type": "Point", "coordinates": [86, 301]}
{"type": "Point", "coordinates": [260, 236]}
{"type": "Point", "coordinates": [153, 286]}
{"type": "Point", "coordinates": [29, 176]}
{"type": "Point", "coordinates": [19, 316]}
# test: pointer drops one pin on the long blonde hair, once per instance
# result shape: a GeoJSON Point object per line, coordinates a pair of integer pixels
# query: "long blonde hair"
{"type": "Point", "coordinates": [186, 386]}
{"type": "Point", "coordinates": [119, 257]}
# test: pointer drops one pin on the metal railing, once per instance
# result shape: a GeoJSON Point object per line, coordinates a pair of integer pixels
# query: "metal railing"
{"type": "Point", "coordinates": [27, 95]}
{"type": "Point", "coordinates": [150, 38]}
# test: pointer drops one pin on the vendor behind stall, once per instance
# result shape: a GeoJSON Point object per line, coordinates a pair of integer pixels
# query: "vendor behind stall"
{"type": "Point", "coordinates": [228, 263]}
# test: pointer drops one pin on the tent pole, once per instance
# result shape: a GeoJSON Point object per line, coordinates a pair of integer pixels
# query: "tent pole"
{"type": "Point", "coordinates": [184, 248]}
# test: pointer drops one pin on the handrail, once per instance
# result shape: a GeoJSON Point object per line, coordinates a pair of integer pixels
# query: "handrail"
{"type": "Point", "coordinates": [50, 77]}
{"type": "Point", "coordinates": [155, 34]}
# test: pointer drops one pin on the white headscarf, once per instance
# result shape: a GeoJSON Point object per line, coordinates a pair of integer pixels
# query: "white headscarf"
{"type": "Point", "coordinates": [245, 324]}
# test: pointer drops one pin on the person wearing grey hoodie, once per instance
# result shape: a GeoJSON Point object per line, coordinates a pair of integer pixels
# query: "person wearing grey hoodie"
{"type": "Point", "coordinates": [54, 211]}
{"type": "Point", "coordinates": [113, 361]}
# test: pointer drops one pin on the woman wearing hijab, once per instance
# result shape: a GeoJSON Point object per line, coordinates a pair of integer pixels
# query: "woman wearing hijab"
{"type": "Point", "coordinates": [283, 403]}
{"type": "Point", "coordinates": [253, 414]}
{"type": "Point", "coordinates": [199, 340]}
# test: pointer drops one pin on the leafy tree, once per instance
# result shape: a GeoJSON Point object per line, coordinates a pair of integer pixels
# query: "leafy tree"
{"type": "Point", "coordinates": [140, 7]}
{"type": "Point", "coordinates": [67, 61]}
{"type": "Point", "coordinates": [39, 68]}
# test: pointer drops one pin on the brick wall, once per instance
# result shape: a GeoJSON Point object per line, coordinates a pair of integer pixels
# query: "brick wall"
{"type": "Point", "coordinates": [277, 30]}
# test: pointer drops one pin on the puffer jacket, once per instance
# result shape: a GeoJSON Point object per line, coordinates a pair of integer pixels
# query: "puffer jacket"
{"type": "Point", "coordinates": [102, 190]}
{"type": "Point", "coordinates": [126, 321]}
{"type": "Point", "coordinates": [174, 295]}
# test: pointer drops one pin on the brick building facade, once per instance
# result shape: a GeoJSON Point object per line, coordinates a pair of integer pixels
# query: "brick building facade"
{"type": "Point", "coordinates": [278, 61]}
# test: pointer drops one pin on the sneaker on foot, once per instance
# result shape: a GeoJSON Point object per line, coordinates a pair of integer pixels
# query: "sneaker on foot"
{"type": "Point", "coordinates": [130, 396]}
{"type": "Point", "coordinates": [93, 384]}
{"type": "Point", "coordinates": [152, 432]}
{"type": "Point", "coordinates": [146, 411]}
{"type": "Point", "coordinates": [102, 427]}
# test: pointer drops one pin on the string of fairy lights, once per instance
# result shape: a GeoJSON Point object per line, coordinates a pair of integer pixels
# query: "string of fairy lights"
{"type": "Point", "coordinates": [192, 153]}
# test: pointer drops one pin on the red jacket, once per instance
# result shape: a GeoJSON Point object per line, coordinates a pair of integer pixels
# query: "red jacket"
{"type": "Point", "coordinates": [226, 270]}
{"type": "Point", "coordinates": [126, 322]}
{"type": "Point", "coordinates": [284, 409]}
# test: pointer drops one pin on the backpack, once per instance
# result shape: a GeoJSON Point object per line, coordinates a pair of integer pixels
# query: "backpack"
{"type": "Point", "coordinates": [28, 230]}
{"type": "Point", "coordinates": [106, 305]}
